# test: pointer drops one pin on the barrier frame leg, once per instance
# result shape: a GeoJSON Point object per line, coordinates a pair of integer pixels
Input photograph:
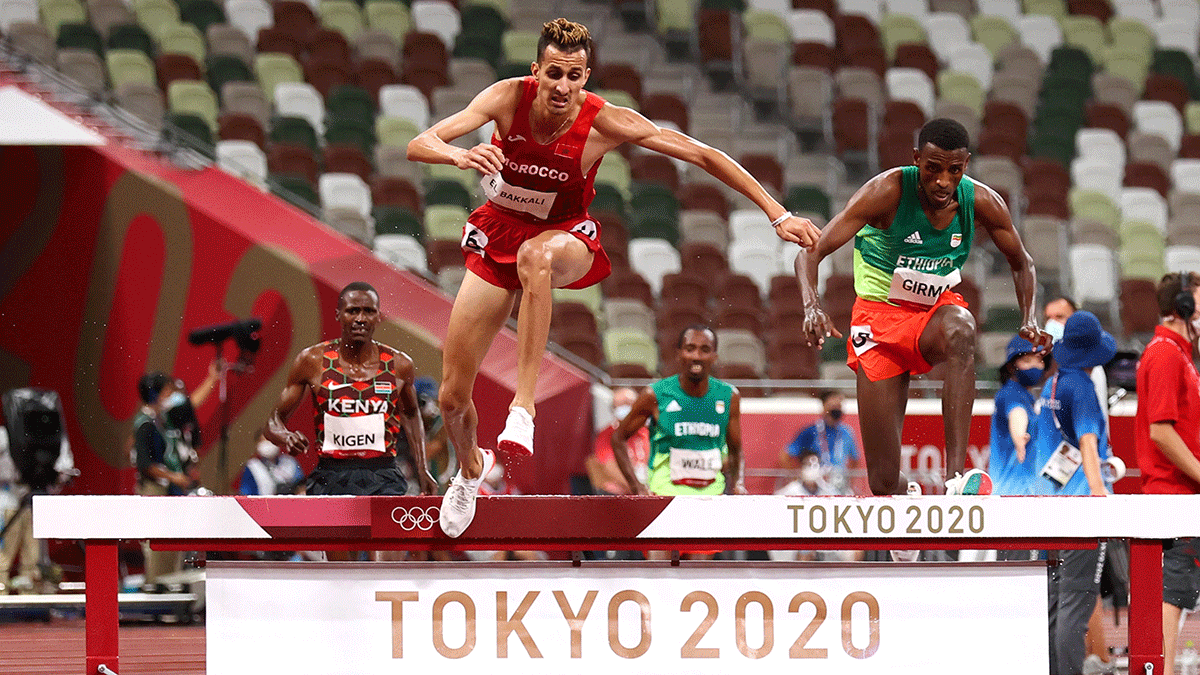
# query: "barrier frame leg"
{"type": "Point", "coordinates": [102, 624]}
{"type": "Point", "coordinates": [1145, 608]}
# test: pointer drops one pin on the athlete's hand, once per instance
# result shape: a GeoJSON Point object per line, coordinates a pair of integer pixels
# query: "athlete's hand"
{"type": "Point", "coordinates": [818, 326]}
{"type": "Point", "coordinates": [485, 158]}
{"type": "Point", "coordinates": [639, 488]}
{"type": "Point", "coordinates": [798, 231]}
{"type": "Point", "coordinates": [295, 443]}
{"type": "Point", "coordinates": [429, 485]}
{"type": "Point", "coordinates": [1040, 339]}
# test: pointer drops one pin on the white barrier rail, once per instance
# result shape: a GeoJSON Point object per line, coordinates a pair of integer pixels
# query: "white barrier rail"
{"type": "Point", "coordinates": [590, 523]}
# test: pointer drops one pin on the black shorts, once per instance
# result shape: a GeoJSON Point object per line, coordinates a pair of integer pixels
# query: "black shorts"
{"type": "Point", "coordinates": [1181, 572]}
{"type": "Point", "coordinates": [360, 477]}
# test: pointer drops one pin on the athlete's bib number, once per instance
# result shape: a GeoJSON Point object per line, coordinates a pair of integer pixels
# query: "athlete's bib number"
{"type": "Point", "coordinates": [516, 198]}
{"type": "Point", "coordinates": [361, 435]}
{"type": "Point", "coordinates": [697, 468]}
{"type": "Point", "coordinates": [919, 287]}
{"type": "Point", "coordinates": [1063, 464]}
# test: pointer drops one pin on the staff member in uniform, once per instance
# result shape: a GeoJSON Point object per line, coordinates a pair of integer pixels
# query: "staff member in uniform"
{"type": "Point", "coordinates": [1167, 435]}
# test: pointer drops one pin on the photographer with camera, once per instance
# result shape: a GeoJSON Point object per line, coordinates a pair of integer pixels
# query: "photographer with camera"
{"type": "Point", "coordinates": [165, 433]}
{"type": "Point", "coordinates": [34, 459]}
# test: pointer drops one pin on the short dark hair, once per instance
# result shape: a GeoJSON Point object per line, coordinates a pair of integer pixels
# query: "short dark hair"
{"type": "Point", "coordinates": [697, 327]}
{"type": "Point", "coordinates": [1070, 303]}
{"type": "Point", "coordinates": [828, 394]}
{"type": "Point", "coordinates": [356, 286]}
{"type": "Point", "coordinates": [568, 36]}
{"type": "Point", "coordinates": [151, 385]}
{"type": "Point", "coordinates": [1170, 286]}
{"type": "Point", "coordinates": [945, 134]}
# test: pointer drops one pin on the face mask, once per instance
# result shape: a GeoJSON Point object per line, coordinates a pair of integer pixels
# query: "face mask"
{"type": "Point", "coordinates": [621, 412]}
{"type": "Point", "coordinates": [835, 414]}
{"type": "Point", "coordinates": [1029, 376]}
{"type": "Point", "coordinates": [268, 450]}
{"type": "Point", "coordinates": [810, 473]}
{"type": "Point", "coordinates": [174, 400]}
{"type": "Point", "coordinates": [1055, 329]}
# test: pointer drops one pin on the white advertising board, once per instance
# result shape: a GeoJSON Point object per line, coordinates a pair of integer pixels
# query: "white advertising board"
{"type": "Point", "coordinates": [344, 619]}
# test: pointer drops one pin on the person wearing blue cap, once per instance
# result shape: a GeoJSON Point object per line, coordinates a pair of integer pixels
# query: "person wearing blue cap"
{"type": "Point", "coordinates": [1009, 464]}
{"type": "Point", "coordinates": [1070, 444]}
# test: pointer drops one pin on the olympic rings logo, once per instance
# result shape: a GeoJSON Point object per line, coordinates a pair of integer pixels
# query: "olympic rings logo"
{"type": "Point", "coordinates": [416, 517]}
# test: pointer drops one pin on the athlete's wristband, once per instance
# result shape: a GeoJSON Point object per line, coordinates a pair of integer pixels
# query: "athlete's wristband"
{"type": "Point", "coordinates": [779, 221]}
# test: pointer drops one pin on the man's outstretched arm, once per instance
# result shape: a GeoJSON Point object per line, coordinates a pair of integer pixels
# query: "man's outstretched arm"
{"type": "Point", "coordinates": [623, 125]}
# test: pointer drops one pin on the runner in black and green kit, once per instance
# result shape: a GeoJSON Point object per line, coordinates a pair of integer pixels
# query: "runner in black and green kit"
{"type": "Point", "coordinates": [695, 428]}
{"type": "Point", "coordinates": [913, 228]}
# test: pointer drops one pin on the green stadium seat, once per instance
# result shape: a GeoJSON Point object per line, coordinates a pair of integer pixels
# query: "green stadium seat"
{"type": "Point", "coordinates": [131, 36]}
{"type": "Point", "coordinates": [294, 130]}
{"type": "Point", "coordinates": [451, 192]}
{"type": "Point", "coordinates": [398, 220]}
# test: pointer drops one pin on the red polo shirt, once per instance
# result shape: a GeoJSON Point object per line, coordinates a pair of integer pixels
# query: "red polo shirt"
{"type": "Point", "coordinates": [1168, 390]}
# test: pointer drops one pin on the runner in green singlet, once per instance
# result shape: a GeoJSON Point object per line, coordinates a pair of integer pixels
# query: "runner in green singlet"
{"type": "Point", "coordinates": [913, 227]}
{"type": "Point", "coordinates": [695, 429]}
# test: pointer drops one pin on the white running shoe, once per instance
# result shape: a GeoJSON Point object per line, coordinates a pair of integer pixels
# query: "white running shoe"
{"type": "Point", "coordinates": [458, 504]}
{"type": "Point", "coordinates": [975, 482]}
{"type": "Point", "coordinates": [517, 437]}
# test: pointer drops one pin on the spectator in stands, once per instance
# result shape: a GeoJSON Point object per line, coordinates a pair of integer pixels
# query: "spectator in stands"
{"type": "Point", "coordinates": [1167, 435]}
{"type": "Point", "coordinates": [913, 227]}
{"type": "Point", "coordinates": [812, 482]}
{"type": "Point", "coordinates": [603, 469]}
{"type": "Point", "coordinates": [829, 437]}
{"type": "Point", "coordinates": [695, 429]}
{"type": "Point", "coordinates": [1069, 447]}
{"type": "Point", "coordinates": [270, 472]}
{"type": "Point", "coordinates": [1009, 463]}
{"type": "Point", "coordinates": [534, 232]}
{"type": "Point", "coordinates": [164, 457]}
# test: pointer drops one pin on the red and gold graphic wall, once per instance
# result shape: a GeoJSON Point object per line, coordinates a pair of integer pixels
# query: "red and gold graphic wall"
{"type": "Point", "coordinates": [110, 257]}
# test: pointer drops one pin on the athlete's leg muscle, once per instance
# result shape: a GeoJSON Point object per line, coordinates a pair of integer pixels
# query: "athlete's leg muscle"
{"type": "Point", "coordinates": [881, 408]}
{"type": "Point", "coordinates": [480, 310]}
{"type": "Point", "coordinates": [552, 259]}
{"type": "Point", "coordinates": [950, 337]}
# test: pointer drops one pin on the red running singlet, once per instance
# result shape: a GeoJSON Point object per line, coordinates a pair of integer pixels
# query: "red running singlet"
{"type": "Point", "coordinates": [358, 418]}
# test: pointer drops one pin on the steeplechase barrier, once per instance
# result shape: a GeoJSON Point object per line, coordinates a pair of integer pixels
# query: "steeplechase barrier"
{"type": "Point", "coordinates": [652, 617]}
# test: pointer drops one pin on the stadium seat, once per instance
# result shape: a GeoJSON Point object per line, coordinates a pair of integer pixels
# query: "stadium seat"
{"type": "Point", "coordinates": [343, 16]}
{"type": "Point", "coordinates": [249, 16]}
{"type": "Point", "coordinates": [193, 97]}
{"type": "Point", "coordinates": [127, 66]}
{"type": "Point", "coordinates": [300, 99]}
{"type": "Point", "coordinates": [201, 14]}
{"type": "Point", "coordinates": [401, 250]}
{"type": "Point", "coordinates": [236, 126]}
{"type": "Point", "coordinates": [243, 159]}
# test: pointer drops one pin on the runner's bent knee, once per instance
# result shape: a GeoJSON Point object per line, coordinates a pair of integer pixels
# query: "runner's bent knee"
{"type": "Point", "coordinates": [959, 328]}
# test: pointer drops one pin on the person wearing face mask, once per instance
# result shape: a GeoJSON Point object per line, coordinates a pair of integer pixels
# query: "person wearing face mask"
{"type": "Point", "coordinates": [1010, 465]}
{"type": "Point", "coordinates": [1167, 435]}
{"type": "Point", "coordinates": [812, 483]}
{"type": "Point", "coordinates": [602, 467]}
{"type": "Point", "coordinates": [269, 471]}
{"type": "Point", "coordinates": [1070, 446]}
{"type": "Point", "coordinates": [831, 439]}
{"type": "Point", "coordinates": [165, 466]}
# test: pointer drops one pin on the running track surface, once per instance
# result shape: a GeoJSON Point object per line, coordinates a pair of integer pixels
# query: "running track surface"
{"type": "Point", "coordinates": [57, 647]}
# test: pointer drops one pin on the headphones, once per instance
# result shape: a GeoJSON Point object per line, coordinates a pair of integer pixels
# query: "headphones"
{"type": "Point", "coordinates": [1185, 302]}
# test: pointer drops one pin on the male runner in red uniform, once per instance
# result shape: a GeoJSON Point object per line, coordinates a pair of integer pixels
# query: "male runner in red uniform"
{"type": "Point", "coordinates": [534, 232]}
{"type": "Point", "coordinates": [367, 415]}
